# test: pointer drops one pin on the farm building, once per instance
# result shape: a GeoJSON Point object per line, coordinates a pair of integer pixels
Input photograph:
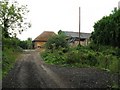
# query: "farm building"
{"type": "Point", "coordinates": [40, 40]}
{"type": "Point", "coordinates": [73, 38]}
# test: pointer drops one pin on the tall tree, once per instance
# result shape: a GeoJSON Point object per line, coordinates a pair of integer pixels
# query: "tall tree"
{"type": "Point", "coordinates": [57, 41]}
{"type": "Point", "coordinates": [107, 30]}
{"type": "Point", "coordinates": [29, 43]}
{"type": "Point", "coordinates": [12, 17]}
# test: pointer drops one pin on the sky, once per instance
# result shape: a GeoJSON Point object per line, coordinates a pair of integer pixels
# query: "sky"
{"type": "Point", "coordinates": [55, 15]}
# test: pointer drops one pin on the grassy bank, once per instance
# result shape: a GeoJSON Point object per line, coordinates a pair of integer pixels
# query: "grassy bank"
{"type": "Point", "coordinates": [9, 56]}
{"type": "Point", "coordinates": [102, 57]}
{"type": "Point", "coordinates": [0, 63]}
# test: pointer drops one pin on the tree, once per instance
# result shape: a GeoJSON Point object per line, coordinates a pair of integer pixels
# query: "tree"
{"type": "Point", "coordinates": [29, 43]}
{"type": "Point", "coordinates": [107, 30]}
{"type": "Point", "coordinates": [57, 42]}
{"type": "Point", "coordinates": [12, 17]}
{"type": "Point", "coordinates": [23, 44]}
{"type": "Point", "coordinates": [26, 44]}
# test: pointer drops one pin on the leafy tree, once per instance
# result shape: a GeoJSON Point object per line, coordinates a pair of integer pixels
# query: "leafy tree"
{"type": "Point", "coordinates": [23, 44]}
{"type": "Point", "coordinates": [60, 32]}
{"type": "Point", "coordinates": [107, 30]}
{"type": "Point", "coordinates": [12, 17]}
{"type": "Point", "coordinates": [11, 23]}
{"type": "Point", "coordinates": [56, 42]}
{"type": "Point", "coordinates": [29, 43]}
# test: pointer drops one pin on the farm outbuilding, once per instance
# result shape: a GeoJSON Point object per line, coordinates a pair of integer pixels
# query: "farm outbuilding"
{"type": "Point", "coordinates": [73, 38]}
{"type": "Point", "coordinates": [40, 40]}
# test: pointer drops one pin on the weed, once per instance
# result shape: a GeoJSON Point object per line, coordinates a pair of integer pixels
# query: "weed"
{"type": "Point", "coordinates": [104, 57]}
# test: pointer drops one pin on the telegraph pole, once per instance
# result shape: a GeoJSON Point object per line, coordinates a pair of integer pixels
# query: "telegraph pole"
{"type": "Point", "coordinates": [79, 25]}
{"type": "Point", "coordinates": [119, 5]}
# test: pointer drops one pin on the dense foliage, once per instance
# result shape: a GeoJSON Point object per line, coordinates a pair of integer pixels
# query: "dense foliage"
{"type": "Point", "coordinates": [11, 23]}
{"type": "Point", "coordinates": [12, 17]}
{"type": "Point", "coordinates": [106, 57]}
{"type": "Point", "coordinates": [103, 52]}
{"type": "Point", "coordinates": [0, 53]}
{"type": "Point", "coordinates": [12, 47]}
{"type": "Point", "coordinates": [9, 56]}
{"type": "Point", "coordinates": [56, 42]}
{"type": "Point", "coordinates": [107, 30]}
{"type": "Point", "coordinates": [26, 44]}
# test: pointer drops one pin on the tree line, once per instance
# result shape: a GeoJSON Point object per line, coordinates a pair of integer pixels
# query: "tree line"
{"type": "Point", "coordinates": [12, 22]}
{"type": "Point", "coordinates": [107, 30]}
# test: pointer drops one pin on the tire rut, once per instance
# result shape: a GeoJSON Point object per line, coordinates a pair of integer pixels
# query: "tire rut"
{"type": "Point", "coordinates": [31, 72]}
{"type": "Point", "coordinates": [27, 74]}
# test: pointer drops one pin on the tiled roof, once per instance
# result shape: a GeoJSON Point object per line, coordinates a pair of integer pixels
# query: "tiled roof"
{"type": "Point", "coordinates": [76, 34]}
{"type": "Point", "coordinates": [44, 36]}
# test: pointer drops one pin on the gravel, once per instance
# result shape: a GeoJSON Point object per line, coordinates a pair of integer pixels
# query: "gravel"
{"type": "Point", "coordinates": [31, 72]}
{"type": "Point", "coordinates": [85, 77]}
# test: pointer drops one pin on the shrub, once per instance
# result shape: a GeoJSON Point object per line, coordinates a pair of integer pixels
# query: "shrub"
{"type": "Point", "coordinates": [9, 56]}
{"type": "Point", "coordinates": [73, 57]}
{"type": "Point", "coordinates": [114, 65]}
{"type": "Point", "coordinates": [94, 47]}
{"type": "Point", "coordinates": [56, 42]}
{"type": "Point", "coordinates": [117, 53]}
{"type": "Point", "coordinates": [57, 57]}
{"type": "Point", "coordinates": [92, 60]}
{"type": "Point", "coordinates": [10, 51]}
{"type": "Point", "coordinates": [105, 57]}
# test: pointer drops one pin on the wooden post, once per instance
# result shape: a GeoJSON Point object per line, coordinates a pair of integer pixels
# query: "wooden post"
{"type": "Point", "coordinates": [79, 25]}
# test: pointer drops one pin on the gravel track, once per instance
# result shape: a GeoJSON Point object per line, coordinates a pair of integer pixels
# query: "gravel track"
{"type": "Point", "coordinates": [28, 73]}
{"type": "Point", "coordinates": [31, 72]}
{"type": "Point", "coordinates": [85, 77]}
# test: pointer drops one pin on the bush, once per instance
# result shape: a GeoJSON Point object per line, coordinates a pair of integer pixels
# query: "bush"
{"type": "Point", "coordinates": [94, 47]}
{"type": "Point", "coordinates": [9, 56]}
{"type": "Point", "coordinates": [114, 65]}
{"type": "Point", "coordinates": [73, 57]}
{"type": "Point", "coordinates": [105, 57]}
{"type": "Point", "coordinates": [10, 52]}
{"type": "Point", "coordinates": [117, 53]}
{"type": "Point", "coordinates": [92, 60]}
{"type": "Point", "coordinates": [56, 42]}
{"type": "Point", "coordinates": [57, 57]}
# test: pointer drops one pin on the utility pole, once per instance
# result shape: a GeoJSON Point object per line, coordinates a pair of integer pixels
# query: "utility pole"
{"type": "Point", "coordinates": [119, 5]}
{"type": "Point", "coordinates": [79, 25]}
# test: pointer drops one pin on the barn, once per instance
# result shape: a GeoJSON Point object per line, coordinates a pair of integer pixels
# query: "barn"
{"type": "Point", "coordinates": [73, 38]}
{"type": "Point", "coordinates": [40, 40]}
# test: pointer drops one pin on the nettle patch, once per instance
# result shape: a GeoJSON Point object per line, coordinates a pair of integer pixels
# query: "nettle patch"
{"type": "Point", "coordinates": [106, 59]}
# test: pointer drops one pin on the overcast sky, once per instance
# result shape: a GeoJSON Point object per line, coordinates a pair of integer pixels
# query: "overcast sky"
{"type": "Point", "coordinates": [55, 15]}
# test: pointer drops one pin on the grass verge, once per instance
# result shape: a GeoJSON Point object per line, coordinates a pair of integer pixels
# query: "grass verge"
{"type": "Point", "coordinates": [9, 56]}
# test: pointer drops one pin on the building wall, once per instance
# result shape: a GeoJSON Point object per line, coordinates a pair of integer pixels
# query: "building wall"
{"type": "Point", "coordinates": [39, 44]}
{"type": "Point", "coordinates": [83, 43]}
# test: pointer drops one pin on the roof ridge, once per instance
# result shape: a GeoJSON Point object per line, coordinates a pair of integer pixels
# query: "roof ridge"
{"type": "Point", "coordinates": [48, 31]}
{"type": "Point", "coordinates": [45, 35]}
{"type": "Point", "coordinates": [76, 32]}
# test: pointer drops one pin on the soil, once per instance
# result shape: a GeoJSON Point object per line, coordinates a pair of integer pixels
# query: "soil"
{"type": "Point", "coordinates": [30, 71]}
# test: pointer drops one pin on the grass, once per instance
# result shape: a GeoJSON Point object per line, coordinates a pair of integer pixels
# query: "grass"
{"type": "Point", "coordinates": [116, 86]}
{"type": "Point", "coordinates": [0, 63]}
{"type": "Point", "coordinates": [9, 57]}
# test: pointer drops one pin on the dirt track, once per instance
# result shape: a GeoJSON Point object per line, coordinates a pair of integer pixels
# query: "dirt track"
{"type": "Point", "coordinates": [31, 72]}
